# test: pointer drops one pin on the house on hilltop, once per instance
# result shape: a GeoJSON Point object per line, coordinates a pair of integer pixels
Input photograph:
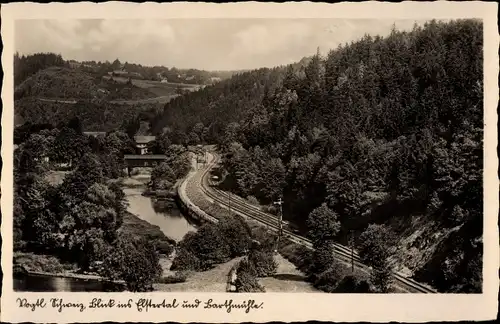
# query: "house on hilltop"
{"type": "Point", "coordinates": [126, 74]}
{"type": "Point", "coordinates": [74, 64]}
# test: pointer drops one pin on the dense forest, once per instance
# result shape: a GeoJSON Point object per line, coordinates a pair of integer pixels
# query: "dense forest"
{"type": "Point", "coordinates": [79, 222]}
{"type": "Point", "coordinates": [382, 131]}
{"type": "Point", "coordinates": [94, 116]}
{"type": "Point", "coordinates": [27, 65]}
{"type": "Point", "coordinates": [227, 101]}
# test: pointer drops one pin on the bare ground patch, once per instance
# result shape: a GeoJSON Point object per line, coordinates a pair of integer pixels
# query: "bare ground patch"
{"type": "Point", "coordinates": [214, 280]}
{"type": "Point", "coordinates": [287, 279]}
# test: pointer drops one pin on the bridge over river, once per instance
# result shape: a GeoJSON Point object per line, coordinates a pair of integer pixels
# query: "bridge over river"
{"type": "Point", "coordinates": [145, 160]}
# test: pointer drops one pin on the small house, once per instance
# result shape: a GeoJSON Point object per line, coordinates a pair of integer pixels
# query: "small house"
{"type": "Point", "coordinates": [141, 143]}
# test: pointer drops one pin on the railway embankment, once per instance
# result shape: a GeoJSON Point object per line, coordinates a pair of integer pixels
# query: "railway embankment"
{"type": "Point", "coordinates": [185, 203]}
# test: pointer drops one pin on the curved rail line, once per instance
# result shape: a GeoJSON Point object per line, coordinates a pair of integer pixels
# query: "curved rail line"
{"type": "Point", "coordinates": [239, 206]}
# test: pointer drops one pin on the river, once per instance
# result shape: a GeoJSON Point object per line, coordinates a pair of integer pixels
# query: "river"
{"type": "Point", "coordinates": [170, 220]}
{"type": "Point", "coordinates": [42, 283]}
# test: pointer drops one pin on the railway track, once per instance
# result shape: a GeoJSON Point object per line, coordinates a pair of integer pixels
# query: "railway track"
{"type": "Point", "coordinates": [241, 207]}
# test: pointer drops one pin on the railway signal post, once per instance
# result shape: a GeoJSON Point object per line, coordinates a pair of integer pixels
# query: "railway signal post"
{"type": "Point", "coordinates": [280, 224]}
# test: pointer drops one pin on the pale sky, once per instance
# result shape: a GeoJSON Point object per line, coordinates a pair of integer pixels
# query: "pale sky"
{"type": "Point", "coordinates": [208, 44]}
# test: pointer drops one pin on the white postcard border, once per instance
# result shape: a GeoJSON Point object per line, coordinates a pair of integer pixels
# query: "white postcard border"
{"type": "Point", "coordinates": [276, 306]}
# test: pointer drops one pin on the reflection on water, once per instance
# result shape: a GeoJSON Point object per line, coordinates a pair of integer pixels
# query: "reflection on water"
{"type": "Point", "coordinates": [47, 283]}
{"type": "Point", "coordinates": [163, 214]}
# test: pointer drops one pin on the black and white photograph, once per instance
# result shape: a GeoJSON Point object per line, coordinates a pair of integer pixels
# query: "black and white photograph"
{"type": "Point", "coordinates": [250, 155]}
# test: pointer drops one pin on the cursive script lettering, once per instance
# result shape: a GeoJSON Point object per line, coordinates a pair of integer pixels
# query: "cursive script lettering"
{"type": "Point", "coordinates": [186, 304]}
{"type": "Point", "coordinates": [146, 304]}
{"type": "Point", "coordinates": [127, 305]}
{"type": "Point", "coordinates": [229, 305]}
{"type": "Point", "coordinates": [98, 303]}
{"type": "Point", "coordinates": [142, 304]}
{"type": "Point", "coordinates": [59, 304]}
{"type": "Point", "coordinates": [40, 303]}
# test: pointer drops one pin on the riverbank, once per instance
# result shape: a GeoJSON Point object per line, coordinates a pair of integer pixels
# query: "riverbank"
{"type": "Point", "coordinates": [161, 225]}
{"type": "Point", "coordinates": [49, 265]}
{"type": "Point", "coordinates": [31, 263]}
{"type": "Point", "coordinates": [137, 227]}
{"type": "Point", "coordinates": [26, 263]}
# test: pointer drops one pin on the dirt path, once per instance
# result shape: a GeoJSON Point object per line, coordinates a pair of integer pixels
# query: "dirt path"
{"type": "Point", "coordinates": [214, 280]}
{"type": "Point", "coordinates": [287, 279]}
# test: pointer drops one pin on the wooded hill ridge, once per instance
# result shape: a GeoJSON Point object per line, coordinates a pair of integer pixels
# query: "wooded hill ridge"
{"type": "Point", "coordinates": [27, 65]}
{"type": "Point", "coordinates": [383, 131]}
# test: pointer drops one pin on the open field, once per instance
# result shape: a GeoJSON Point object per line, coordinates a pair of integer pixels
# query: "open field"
{"type": "Point", "coordinates": [155, 86]}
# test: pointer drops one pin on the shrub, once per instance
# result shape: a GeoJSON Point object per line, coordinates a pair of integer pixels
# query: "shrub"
{"type": "Point", "coordinates": [210, 246]}
{"type": "Point", "coordinates": [236, 233]}
{"type": "Point", "coordinates": [329, 279]}
{"type": "Point", "coordinates": [323, 224]}
{"type": "Point", "coordinates": [163, 247]}
{"type": "Point", "coordinates": [134, 261]}
{"type": "Point", "coordinates": [353, 284]}
{"type": "Point", "coordinates": [376, 245]}
{"type": "Point", "coordinates": [253, 200]}
{"type": "Point", "coordinates": [263, 238]}
{"type": "Point", "coordinates": [299, 255]}
{"type": "Point", "coordinates": [246, 266]}
{"type": "Point", "coordinates": [270, 209]}
{"type": "Point", "coordinates": [246, 279]}
{"type": "Point", "coordinates": [180, 276]}
{"type": "Point", "coordinates": [216, 243]}
{"type": "Point", "coordinates": [40, 263]}
{"type": "Point", "coordinates": [322, 259]}
{"type": "Point", "coordinates": [185, 260]}
{"type": "Point", "coordinates": [381, 278]}
{"type": "Point", "coordinates": [263, 263]}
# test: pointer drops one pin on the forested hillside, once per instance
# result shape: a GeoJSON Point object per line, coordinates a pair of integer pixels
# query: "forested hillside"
{"type": "Point", "coordinates": [47, 88]}
{"type": "Point", "coordinates": [56, 94]}
{"type": "Point", "coordinates": [26, 66]}
{"type": "Point", "coordinates": [218, 105]}
{"type": "Point", "coordinates": [66, 84]}
{"type": "Point", "coordinates": [383, 131]}
{"type": "Point", "coordinates": [103, 116]}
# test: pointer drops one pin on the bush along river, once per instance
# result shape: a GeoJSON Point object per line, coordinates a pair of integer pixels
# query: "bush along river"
{"type": "Point", "coordinates": [163, 214]}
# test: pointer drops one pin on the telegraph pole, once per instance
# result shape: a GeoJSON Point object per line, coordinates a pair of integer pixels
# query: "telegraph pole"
{"type": "Point", "coordinates": [352, 252]}
{"type": "Point", "coordinates": [280, 224]}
